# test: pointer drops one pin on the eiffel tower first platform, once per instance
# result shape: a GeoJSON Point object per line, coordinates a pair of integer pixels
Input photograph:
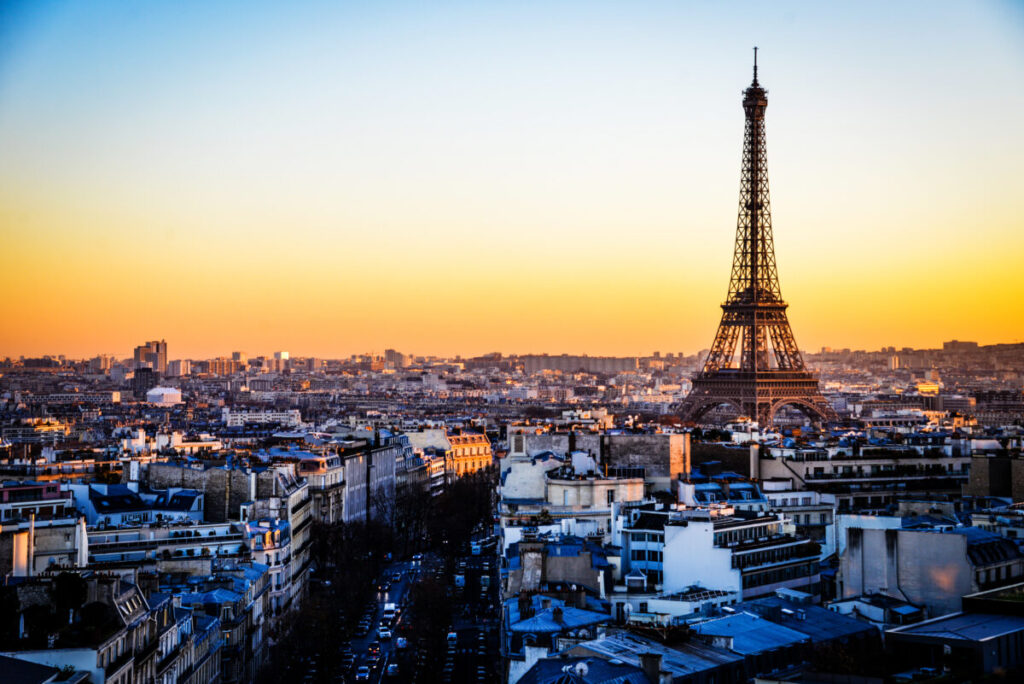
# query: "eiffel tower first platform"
{"type": "Point", "coordinates": [754, 364]}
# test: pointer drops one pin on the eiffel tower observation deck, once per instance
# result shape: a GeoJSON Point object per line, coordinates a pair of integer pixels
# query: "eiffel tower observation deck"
{"type": "Point", "coordinates": [754, 365]}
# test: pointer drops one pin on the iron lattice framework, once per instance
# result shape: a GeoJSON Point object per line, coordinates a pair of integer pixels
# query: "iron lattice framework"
{"type": "Point", "coordinates": [754, 364]}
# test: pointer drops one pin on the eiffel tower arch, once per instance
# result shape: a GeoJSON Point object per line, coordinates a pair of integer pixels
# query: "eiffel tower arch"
{"type": "Point", "coordinates": [754, 364]}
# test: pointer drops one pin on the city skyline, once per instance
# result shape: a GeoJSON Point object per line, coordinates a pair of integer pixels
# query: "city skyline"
{"type": "Point", "coordinates": [269, 353]}
{"type": "Point", "coordinates": [500, 179]}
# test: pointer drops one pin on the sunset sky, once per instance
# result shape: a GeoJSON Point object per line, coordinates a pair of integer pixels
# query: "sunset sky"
{"type": "Point", "coordinates": [465, 177]}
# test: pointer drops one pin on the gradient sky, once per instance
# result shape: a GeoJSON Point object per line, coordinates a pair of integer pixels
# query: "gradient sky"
{"type": "Point", "coordinates": [331, 178]}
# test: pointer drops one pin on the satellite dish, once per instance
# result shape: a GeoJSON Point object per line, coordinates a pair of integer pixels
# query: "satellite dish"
{"type": "Point", "coordinates": [582, 669]}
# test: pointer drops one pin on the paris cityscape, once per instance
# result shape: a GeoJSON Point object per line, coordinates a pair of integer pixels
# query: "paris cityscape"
{"type": "Point", "coordinates": [333, 350]}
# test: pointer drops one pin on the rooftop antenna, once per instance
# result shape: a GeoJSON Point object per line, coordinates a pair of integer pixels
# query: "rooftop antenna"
{"type": "Point", "coordinates": [755, 65]}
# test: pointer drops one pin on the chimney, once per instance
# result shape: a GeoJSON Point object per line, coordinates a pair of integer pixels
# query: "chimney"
{"type": "Point", "coordinates": [525, 606]}
{"type": "Point", "coordinates": [650, 663]}
{"type": "Point", "coordinates": [755, 461]}
{"type": "Point", "coordinates": [545, 604]}
{"type": "Point", "coordinates": [557, 616]}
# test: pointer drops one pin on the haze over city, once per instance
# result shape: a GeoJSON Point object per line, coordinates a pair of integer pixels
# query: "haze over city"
{"type": "Point", "coordinates": [516, 177]}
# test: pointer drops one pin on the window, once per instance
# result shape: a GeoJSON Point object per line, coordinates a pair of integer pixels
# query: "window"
{"type": "Point", "coordinates": [610, 496]}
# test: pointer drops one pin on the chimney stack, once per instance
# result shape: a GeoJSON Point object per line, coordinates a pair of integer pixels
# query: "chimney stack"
{"type": "Point", "coordinates": [650, 663]}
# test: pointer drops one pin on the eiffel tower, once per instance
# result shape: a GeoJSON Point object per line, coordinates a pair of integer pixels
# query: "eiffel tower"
{"type": "Point", "coordinates": [754, 364]}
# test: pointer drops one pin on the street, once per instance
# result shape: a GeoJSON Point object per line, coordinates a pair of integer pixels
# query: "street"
{"type": "Point", "coordinates": [396, 591]}
{"type": "Point", "coordinates": [470, 648]}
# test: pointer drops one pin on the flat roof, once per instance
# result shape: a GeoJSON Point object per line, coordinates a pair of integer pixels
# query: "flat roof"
{"type": "Point", "coordinates": [751, 634]}
{"type": "Point", "coordinates": [680, 659]}
{"type": "Point", "coordinates": [964, 627]}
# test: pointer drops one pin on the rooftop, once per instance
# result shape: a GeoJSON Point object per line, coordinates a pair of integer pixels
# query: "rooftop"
{"type": "Point", "coordinates": [680, 659]}
{"type": "Point", "coordinates": [820, 624]}
{"type": "Point", "coordinates": [965, 627]}
{"type": "Point", "coordinates": [751, 634]}
{"type": "Point", "coordinates": [559, 619]}
{"type": "Point", "coordinates": [583, 671]}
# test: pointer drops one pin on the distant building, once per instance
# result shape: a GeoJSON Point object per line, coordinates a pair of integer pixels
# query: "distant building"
{"type": "Point", "coordinates": [39, 500]}
{"type": "Point", "coordinates": [179, 367]}
{"type": "Point", "coordinates": [116, 504]}
{"type": "Point", "coordinates": [144, 380]}
{"type": "Point", "coordinates": [93, 398]}
{"type": "Point", "coordinates": [281, 362]}
{"type": "Point", "coordinates": [663, 457]}
{"type": "Point", "coordinates": [571, 364]}
{"type": "Point", "coordinates": [464, 452]}
{"type": "Point", "coordinates": [164, 396]}
{"type": "Point", "coordinates": [237, 418]}
{"type": "Point", "coordinates": [958, 346]}
{"type": "Point", "coordinates": [152, 355]}
{"type": "Point", "coordinates": [325, 474]}
{"type": "Point", "coordinates": [469, 452]}
{"type": "Point", "coordinates": [395, 359]}
{"type": "Point", "coordinates": [101, 363]}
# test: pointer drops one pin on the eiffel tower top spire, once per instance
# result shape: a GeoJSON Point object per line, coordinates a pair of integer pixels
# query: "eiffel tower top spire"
{"type": "Point", "coordinates": [755, 65]}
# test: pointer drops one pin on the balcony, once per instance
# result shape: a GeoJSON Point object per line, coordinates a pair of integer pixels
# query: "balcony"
{"type": "Point", "coordinates": [168, 660]}
{"type": "Point", "coordinates": [763, 555]}
{"type": "Point", "coordinates": [895, 474]}
{"type": "Point", "coordinates": [112, 668]}
{"type": "Point", "coordinates": [870, 454]}
{"type": "Point", "coordinates": [127, 545]}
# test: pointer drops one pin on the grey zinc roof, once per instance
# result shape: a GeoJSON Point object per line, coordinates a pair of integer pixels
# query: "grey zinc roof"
{"type": "Point", "coordinates": [118, 499]}
{"type": "Point", "coordinates": [568, 671]}
{"type": "Point", "coordinates": [207, 597]}
{"type": "Point", "coordinates": [965, 627]}
{"type": "Point", "coordinates": [680, 660]}
{"type": "Point", "coordinates": [818, 623]}
{"type": "Point", "coordinates": [751, 634]}
{"type": "Point", "coordinates": [572, 618]}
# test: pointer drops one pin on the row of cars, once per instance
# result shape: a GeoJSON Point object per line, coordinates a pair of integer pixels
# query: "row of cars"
{"type": "Point", "coordinates": [372, 662]}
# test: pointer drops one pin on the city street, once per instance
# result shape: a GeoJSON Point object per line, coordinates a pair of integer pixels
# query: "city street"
{"type": "Point", "coordinates": [398, 578]}
{"type": "Point", "coordinates": [470, 650]}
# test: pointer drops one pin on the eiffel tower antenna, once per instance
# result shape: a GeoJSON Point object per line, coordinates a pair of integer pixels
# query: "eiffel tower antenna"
{"type": "Point", "coordinates": [754, 364]}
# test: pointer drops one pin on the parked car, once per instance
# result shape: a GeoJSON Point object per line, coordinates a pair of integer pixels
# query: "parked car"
{"type": "Point", "coordinates": [362, 673]}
